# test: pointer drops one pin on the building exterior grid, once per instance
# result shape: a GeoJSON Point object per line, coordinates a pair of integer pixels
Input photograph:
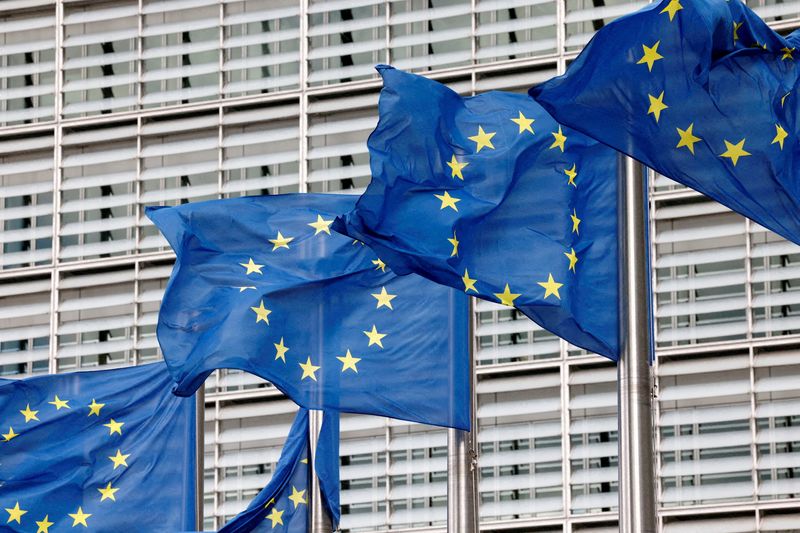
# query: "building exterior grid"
{"type": "Point", "coordinates": [107, 107]}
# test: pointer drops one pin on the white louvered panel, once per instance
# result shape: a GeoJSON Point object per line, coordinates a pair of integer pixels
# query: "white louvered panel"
{"type": "Point", "coordinates": [580, 14]}
{"type": "Point", "coordinates": [180, 52]}
{"type": "Point", "coordinates": [700, 415]}
{"type": "Point", "coordinates": [423, 515]}
{"type": "Point", "coordinates": [345, 40]}
{"type": "Point", "coordinates": [723, 524]}
{"type": "Point", "coordinates": [414, 466]}
{"type": "Point", "coordinates": [779, 460]}
{"type": "Point", "coordinates": [100, 58]}
{"type": "Point", "coordinates": [261, 46]}
{"type": "Point", "coordinates": [709, 493]}
{"type": "Point", "coordinates": [783, 521]}
{"type": "Point", "coordinates": [27, 79]}
{"type": "Point", "coordinates": [707, 466]}
{"type": "Point", "coordinates": [785, 488]}
{"type": "Point", "coordinates": [777, 10]}
{"type": "Point", "coordinates": [24, 322]}
{"type": "Point", "coordinates": [363, 520]}
{"type": "Point", "coordinates": [515, 29]}
{"type": "Point", "coordinates": [711, 440]}
{"type": "Point", "coordinates": [596, 501]}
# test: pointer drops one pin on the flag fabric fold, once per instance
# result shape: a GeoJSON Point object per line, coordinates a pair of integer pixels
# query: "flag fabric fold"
{"type": "Point", "coordinates": [492, 196]}
{"type": "Point", "coordinates": [263, 285]}
{"type": "Point", "coordinates": [285, 500]}
{"type": "Point", "coordinates": [705, 93]}
{"type": "Point", "coordinates": [110, 450]}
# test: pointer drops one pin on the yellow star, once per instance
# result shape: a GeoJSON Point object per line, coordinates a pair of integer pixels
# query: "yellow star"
{"type": "Point", "coordinates": [524, 123]}
{"type": "Point", "coordinates": [59, 403]}
{"type": "Point", "coordinates": [298, 497]}
{"type": "Point", "coordinates": [251, 267]}
{"type": "Point", "coordinates": [734, 151]}
{"type": "Point", "coordinates": [483, 139]}
{"type": "Point", "coordinates": [320, 225]}
{"type": "Point", "coordinates": [575, 222]}
{"type": "Point", "coordinates": [787, 53]}
{"type": "Point", "coordinates": [31, 415]}
{"type": "Point", "coordinates": [15, 514]}
{"type": "Point", "coordinates": [375, 337]}
{"type": "Point", "coordinates": [560, 139]}
{"type": "Point", "coordinates": [456, 168]}
{"type": "Point", "coordinates": [572, 173]}
{"type": "Point", "coordinates": [280, 350]}
{"type": "Point", "coordinates": [44, 525]}
{"type": "Point", "coordinates": [469, 283]}
{"type": "Point", "coordinates": [507, 297]}
{"type": "Point", "coordinates": [736, 26]}
{"type": "Point", "coordinates": [551, 287]}
{"type": "Point", "coordinates": [276, 517]}
{"type": "Point", "coordinates": [379, 265]}
{"type": "Point", "coordinates": [270, 502]}
{"type": "Point", "coordinates": [107, 493]}
{"type": "Point", "coordinates": [454, 242]}
{"type": "Point", "coordinates": [650, 56]}
{"type": "Point", "coordinates": [10, 435]}
{"type": "Point", "coordinates": [308, 370]}
{"type": "Point", "coordinates": [262, 313]}
{"type": "Point", "coordinates": [447, 200]}
{"type": "Point", "coordinates": [348, 361]}
{"type": "Point", "coordinates": [573, 258]}
{"type": "Point", "coordinates": [783, 98]}
{"type": "Point", "coordinates": [280, 242]}
{"type": "Point", "coordinates": [79, 518]}
{"type": "Point", "coordinates": [114, 427]}
{"type": "Point", "coordinates": [688, 138]}
{"type": "Point", "coordinates": [119, 459]}
{"type": "Point", "coordinates": [673, 7]}
{"type": "Point", "coordinates": [384, 298]}
{"type": "Point", "coordinates": [94, 408]}
{"type": "Point", "coordinates": [780, 136]}
{"type": "Point", "coordinates": [657, 105]}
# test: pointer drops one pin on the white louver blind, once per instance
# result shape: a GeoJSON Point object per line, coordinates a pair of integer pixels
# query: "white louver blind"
{"type": "Point", "coordinates": [26, 198]}
{"type": "Point", "coordinates": [520, 442]}
{"type": "Point", "coordinates": [705, 433]}
{"type": "Point", "coordinates": [180, 51]}
{"type": "Point", "coordinates": [505, 335]}
{"type": "Point", "coordinates": [100, 58]}
{"type": "Point", "coordinates": [24, 326]}
{"type": "Point", "coordinates": [96, 319]}
{"type": "Point", "coordinates": [593, 439]}
{"type": "Point", "coordinates": [261, 46]}
{"type": "Point", "coordinates": [583, 18]}
{"type": "Point", "coordinates": [27, 55]}
{"type": "Point", "coordinates": [260, 150]}
{"type": "Point", "coordinates": [515, 29]}
{"type": "Point", "coordinates": [346, 38]}
{"type": "Point", "coordinates": [338, 158]}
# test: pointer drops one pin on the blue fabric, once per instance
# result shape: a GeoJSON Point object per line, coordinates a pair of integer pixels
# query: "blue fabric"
{"type": "Point", "coordinates": [283, 505]}
{"type": "Point", "coordinates": [515, 201]}
{"type": "Point", "coordinates": [324, 294]}
{"type": "Point", "coordinates": [725, 73]}
{"type": "Point", "coordinates": [60, 457]}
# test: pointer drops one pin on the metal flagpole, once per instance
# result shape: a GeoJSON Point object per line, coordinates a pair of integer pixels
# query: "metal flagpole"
{"type": "Point", "coordinates": [462, 461]}
{"type": "Point", "coordinates": [199, 454]}
{"type": "Point", "coordinates": [637, 494]}
{"type": "Point", "coordinates": [320, 521]}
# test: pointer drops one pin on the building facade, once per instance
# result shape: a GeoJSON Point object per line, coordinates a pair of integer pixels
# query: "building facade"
{"type": "Point", "coordinates": [107, 107]}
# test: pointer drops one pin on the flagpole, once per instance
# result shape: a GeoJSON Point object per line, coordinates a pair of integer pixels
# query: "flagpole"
{"type": "Point", "coordinates": [320, 521]}
{"type": "Point", "coordinates": [637, 491]}
{"type": "Point", "coordinates": [199, 455]}
{"type": "Point", "coordinates": [462, 461]}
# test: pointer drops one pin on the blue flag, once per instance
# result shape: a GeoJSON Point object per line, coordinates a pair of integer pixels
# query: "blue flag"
{"type": "Point", "coordinates": [705, 93]}
{"type": "Point", "coordinates": [285, 500]}
{"type": "Point", "coordinates": [111, 450]}
{"type": "Point", "coordinates": [490, 195]}
{"type": "Point", "coordinates": [261, 284]}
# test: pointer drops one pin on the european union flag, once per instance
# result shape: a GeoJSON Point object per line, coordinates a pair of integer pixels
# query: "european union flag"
{"type": "Point", "coordinates": [285, 500]}
{"type": "Point", "coordinates": [261, 284]}
{"type": "Point", "coordinates": [490, 195]}
{"type": "Point", "coordinates": [705, 93]}
{"type": "Point", "coordinates": [110, 450]}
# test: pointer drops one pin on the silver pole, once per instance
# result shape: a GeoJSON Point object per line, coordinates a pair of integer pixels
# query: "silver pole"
{"type": "Point", "coordinates": [637, 489]}
{"type": "Point", "coordinates": [462, 462]}
{"type": "Point", "coordinates": [320, 521]}
{"type": "Point", "coordinates": [199, 454]}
